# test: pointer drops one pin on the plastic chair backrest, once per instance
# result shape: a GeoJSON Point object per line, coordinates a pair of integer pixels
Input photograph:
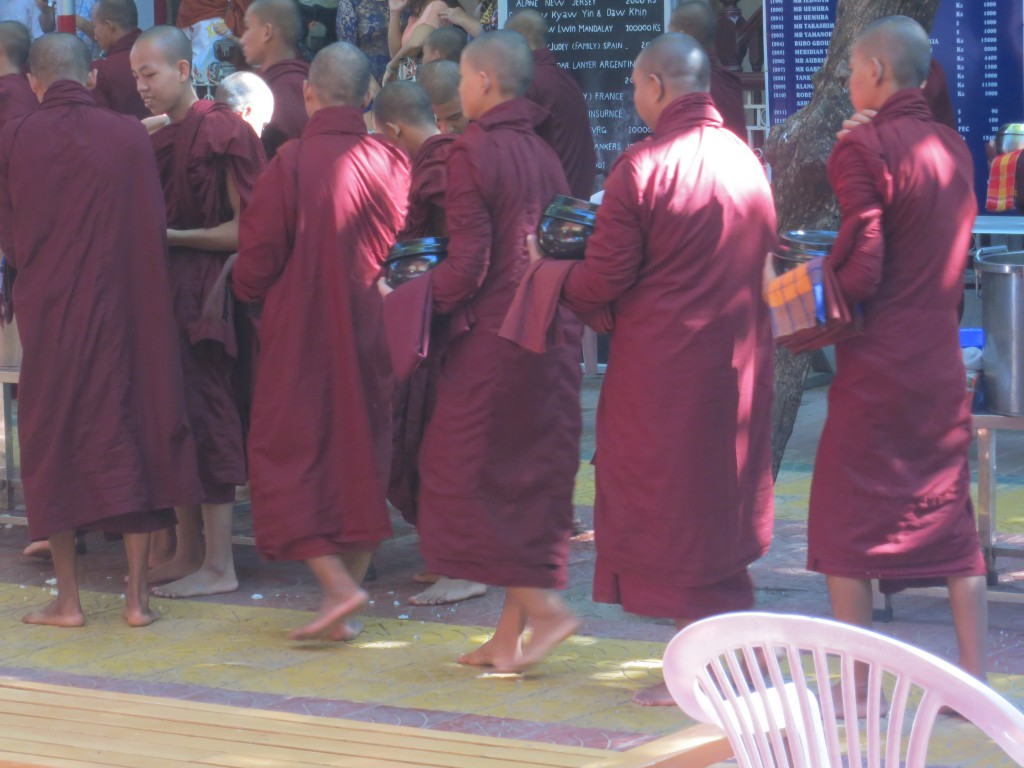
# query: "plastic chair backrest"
{"type": "Point", "coordinates": [727, 670]}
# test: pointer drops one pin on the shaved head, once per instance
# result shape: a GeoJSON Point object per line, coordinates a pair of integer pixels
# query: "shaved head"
{"type": "Point", "coordinates": [440, 79]}
{"type": "Point", "coordinates": [900, 42]}
{"type": "Point", "coordinates": [696, 19]}
{"type": "Point", "coordinates": [59, 56]}
{"type": "Point", "coordinates": [169, 41]}
{"type": "Point", "coordinates": [121, 13]}
{"type": "Point", "coordinates": [340, 75]}
{"type": "Point", "coordinates": [531, 25]}
{"type": "Point", "coordinates": [249, 96]}
{"type": "Point", "coordinates": [403, 102]}
{"type": "Point", "coordinates": [679, 61]}
{"type": "Point", "coordinates": [15, 41]}
{"type": "Point", "coordinates": [505, 57]}
{"type": "Point", "coordinates": [448, 41]}
{"type": "Point", "coordinates": [282, 15]}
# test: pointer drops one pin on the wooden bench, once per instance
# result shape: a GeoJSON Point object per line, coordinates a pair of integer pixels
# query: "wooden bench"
{"type": "Point", "coordinates": [63, 727]}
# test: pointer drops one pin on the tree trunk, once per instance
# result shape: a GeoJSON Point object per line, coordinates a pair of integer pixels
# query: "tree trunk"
{"type": "Point", "coordinates": [798, 153]}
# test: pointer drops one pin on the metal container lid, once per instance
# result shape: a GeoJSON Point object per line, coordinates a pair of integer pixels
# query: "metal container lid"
{"type": "Point", "coordinates": [1001, 263]}
{"type": "Point", "coordinates": [424, 246]}
{"type": "Point", "coordinates": [813, 242]}
{"type": "Point", "coordinates": [572, 209]}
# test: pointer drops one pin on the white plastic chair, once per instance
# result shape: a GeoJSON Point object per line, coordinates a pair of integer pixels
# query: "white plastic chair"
{"type": "Point", "coordinates": [713, 669]}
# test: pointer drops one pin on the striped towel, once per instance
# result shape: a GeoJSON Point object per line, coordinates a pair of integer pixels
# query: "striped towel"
{"type": "Point", "coordinates": [1002, 182]}
{"type": "Point", "coordinates": [796, 299]}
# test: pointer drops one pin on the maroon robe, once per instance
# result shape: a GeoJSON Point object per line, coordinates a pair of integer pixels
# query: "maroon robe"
{"type": "Point", "coordinates": [501, 449]}
{"type": "Point", "coordinates": [115, 86]}
{"type": "Point", "coordinates": [16, 97]}
{"type": "Point", "coordinates": [429, 179]}
{"type": "Point", "coordinates": [727, 93]}
{"type": "Point", "coordinates": [684, 487]}
{"type": "Point", "coordinates": [567, 129]}
{"type": "Point", "coordinates": [285, 79]}
{"type": "Point", "coordinates": [105, 441]}
{"type": "Point", "coordinates": [936, 92]}
{"type": "Point", "coordinates": [194, 157]}
{"type": "Point", "coordinates": [890, 497]}
{"type": "Point", "coordinates": [312, 244]}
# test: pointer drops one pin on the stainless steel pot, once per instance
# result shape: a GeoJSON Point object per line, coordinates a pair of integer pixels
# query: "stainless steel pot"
{"type": "Point", "coordinates": [1010, 138]}
{"type": "Point", "coordinates": [1002, 316]}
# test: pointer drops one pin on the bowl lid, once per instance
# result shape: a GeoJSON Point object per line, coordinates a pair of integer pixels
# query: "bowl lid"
{"type": "Point", "coordinates": [1000, 263]}
{"type": "Point", "coordinates": [809, 240]}
{"type": "Point", "coordinates": [569, 213]}
{"type": "Point", "coordinates": [419, 247]}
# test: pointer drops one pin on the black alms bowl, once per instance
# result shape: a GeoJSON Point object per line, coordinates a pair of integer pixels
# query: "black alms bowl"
{"type": "Point", "coordinates": [800, 245]}
{"type": "Point", "coordinates": [565, 226]}
{"type": "Point", "coordinates": [413, 258]}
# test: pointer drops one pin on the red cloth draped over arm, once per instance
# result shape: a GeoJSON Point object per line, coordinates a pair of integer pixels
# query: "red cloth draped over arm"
{"type": "Point", "coordinates": [456, 279]}
{"type": "Point", "coordinates": [265, 239]}
{"type": "Point", "coordinates": [859, 251]}
{"type": "Point", "coordinates": [614, 251]}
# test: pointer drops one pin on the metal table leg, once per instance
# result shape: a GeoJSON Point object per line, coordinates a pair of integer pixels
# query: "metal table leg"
{"type": "Point", "coordinates": [987, 499]}
{"type": "Point", "coordinates": [8, 446]}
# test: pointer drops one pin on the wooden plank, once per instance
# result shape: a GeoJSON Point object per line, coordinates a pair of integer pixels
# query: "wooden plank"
{"type": "Point", "coordinates": [176, 710]}
{"type": "Point", "coordinates": [695, 747]}
{"type": "Point", "coordinates": [186, 712]}
{"type": "Point", "coordinates": [51, 755]}
{"type": "Point", "coordinates": [213, 740]}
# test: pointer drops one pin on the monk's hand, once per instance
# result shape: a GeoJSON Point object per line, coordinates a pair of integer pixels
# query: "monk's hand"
{"type": "Point", "coordinates": [533, 249]}
{"type": "Point", "coordinates": [390, 72]}
{"type": "Point", "coordinates": [44, 6]}
{"type": "Point", "coordinates": [857, 118]}
{"type": "Point", "coordinates": [383, 287]}
{"type": "Point", "coordinates": [174, 236]}
{"type": "Point", "coordinates": [221, 28]}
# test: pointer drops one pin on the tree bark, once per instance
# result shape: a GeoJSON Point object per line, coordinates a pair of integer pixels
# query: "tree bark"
{"type": "Point", "coordinates": [798, 151]}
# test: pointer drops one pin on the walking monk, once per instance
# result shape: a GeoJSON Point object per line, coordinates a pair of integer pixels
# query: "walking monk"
{"type": "Point", "coordinates": [403, 115]}
{"type": "Point", "coordinates": [440, 79]}
{"type": "Point", "coordinates": [16, 97]}
{"type": "Point", "coordinates": [501, 449]}
{"type": "Point", "coordinates": [697, 19]}
{"type": "Point", "coordinates": [890, 498]}
{"type": "Point", "coordinates": [208, 160]}
{"type": "Point", "coordinates": [684, 488]}
{"type": "Point", "coordinates": [105, 442]}
{"type": "Point", "coordinates": [567, 129]}
{"type": "Point", "coordinates": [312, 245]}
{"type": "Point", "coordinates": [115, 24]}
{"type": "Point", "coordinates": [272, 30]}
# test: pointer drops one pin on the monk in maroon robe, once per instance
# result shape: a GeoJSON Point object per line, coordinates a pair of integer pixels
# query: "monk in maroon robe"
{"type": "Point", "coordinates": [890, 497]}
{"type": "Point", "coordinates": [105, 441]}
{"type": "Point", "coordinates": [249, 97]}
{"type": "Point", "coordinates": [312, 245]}
{"type": "Point", "coordinates": [116, 26]}
{"type": "Point", "coordinates": [936, 93]}
{"type": "Point", "coordinates": [16, 97]}
{"type": "Point", "coordinates": [270, 40]}
{"type": "Point", "coordinates": [402, 114]}
{"type": "Point", "coordinates": [501, 449]}
{"type": "Point", "coordinates": [567, 129]}
{"type": "Point", "coordinates": [208, 160]}
{"type": "Point", "coordinates": [444, 43]}
{"type": "Point", "coordinates": [696, 19]}
{"type": "Point", "coordinates": [440, 79]}
{"type": "Point", "coordinates": [677, 257]}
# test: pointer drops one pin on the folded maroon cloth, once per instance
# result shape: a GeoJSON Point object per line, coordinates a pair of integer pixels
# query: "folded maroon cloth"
{"type": "Point", "coordinates": [217, 320]}
{"type": "Point", "coordinates": [530, 320]}
{"type": "Point", "coordinates": [407, 313]}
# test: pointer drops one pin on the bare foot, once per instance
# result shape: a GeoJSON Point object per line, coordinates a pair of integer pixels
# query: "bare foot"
{"type": "Point", "coordinates": [548, 632]}
{"type": "Point", "coordinates": [55, 614]}
{"type": "Point", "coordinates": [333, 611]}
{"type": "Point", "coordinates": [446, 591]}
{"type": "Point", "coordinates": [172, 570]}
{"type": "Point", "coordinates": [862, 703]}
{"type": "Point", "coordinates": [426, 577]}
{"type": "Point", "coordinates": [40, 550]}
{"type": "Point", "coordinates": [200, 583]}
{"type": "Point", "coordinates": [140, 618]}
{"type": "Point", "coordinates": [654, 696]}
{"type": "Point", "coordinates": [345, 630]}
{"type": "Point", "coordinates": [491, 655]}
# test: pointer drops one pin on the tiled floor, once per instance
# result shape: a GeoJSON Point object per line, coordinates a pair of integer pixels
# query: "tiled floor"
{"type": "Point", "coordinates": [233, 648]}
